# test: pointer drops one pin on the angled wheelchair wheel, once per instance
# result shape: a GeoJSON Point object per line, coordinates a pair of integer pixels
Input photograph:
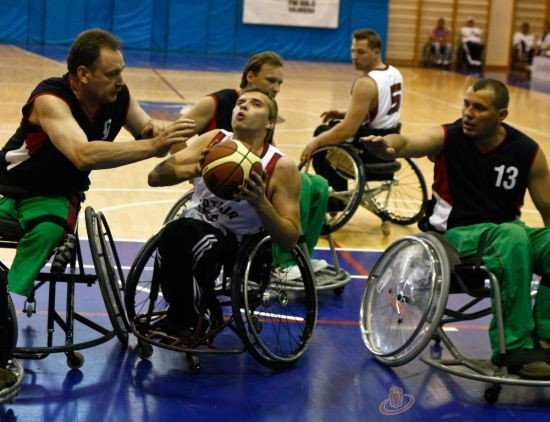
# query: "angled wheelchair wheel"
{"type": "Point", "coordinates": [275, 323]}
{"type": "Point", "coordinates": [404, 299]}
{"type": "Point", "coordinates": [111, 281]}
{"type": "Point", "coordinates": [342, 164]}
{"type": "Point", "coordinates": [400, 199]}
{"type": "Point", "coordinates": [180, 205]}
{"type": "Point", "coordinates": [12, 321]}
{"type": "Point", "coordinates": [142, 297]}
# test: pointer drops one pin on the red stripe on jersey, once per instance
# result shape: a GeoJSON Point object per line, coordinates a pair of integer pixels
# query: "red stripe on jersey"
{"type": "Point", "coordinates": [441, 183]}
{"type": "Point", "coordinates": [220, 136]}
{"type": "Point", "coordinates": [270, 167]}
{"type": "Point", "coordinates": [212, 124]}
{"type": "Point", "coordinates": [34, 141]}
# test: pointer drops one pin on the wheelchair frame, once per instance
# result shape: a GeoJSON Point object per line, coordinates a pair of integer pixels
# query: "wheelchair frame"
{"type": "Point", "coordinates": [254, 304]}
{"type": "Point", "coordinates": [403, 293]}
{"type": "Point", "coordinates": [382, 188]}
{"type": "Point", "coordinates": [333, 277]}
{"type": "Point", "coordinates": [103, 250]}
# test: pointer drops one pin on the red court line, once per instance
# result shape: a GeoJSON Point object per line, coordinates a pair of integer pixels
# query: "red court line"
{"type": "Point", "coordinates": [319, 321]}
{"type": "Point", "coordinates": [351, 260]}
{"type": "Point", "coordinates": [167, 83]}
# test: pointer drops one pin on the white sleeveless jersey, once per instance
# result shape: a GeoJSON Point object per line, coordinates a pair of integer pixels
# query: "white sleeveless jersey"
{"type": "Point", "coordinates": [236, 216]}
{"type": "Point", "coordinates": [390, 90]}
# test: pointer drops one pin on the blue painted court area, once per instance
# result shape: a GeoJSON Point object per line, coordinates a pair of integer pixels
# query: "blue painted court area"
{"type": "Point", "coordinates": [337, 379]}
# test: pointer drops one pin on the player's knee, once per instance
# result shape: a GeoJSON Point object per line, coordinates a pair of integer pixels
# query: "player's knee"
{"type": "Point", "coordinates": [513, 234]}
{"type": "Point", "coordinates": [48, 233]}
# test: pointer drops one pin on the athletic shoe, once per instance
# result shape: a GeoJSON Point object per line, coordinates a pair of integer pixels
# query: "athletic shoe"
{"type": "Point", "coordinates": [534, 371]}
{"type": "Point", "coordinates": [293, 272]}
{"type": "Point", "coordinates": [7, 379]}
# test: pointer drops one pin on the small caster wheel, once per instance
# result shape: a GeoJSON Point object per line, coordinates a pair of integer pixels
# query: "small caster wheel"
{"type": "Point", "coordinates": [75, 360]}
{"type": "Point", "coordinates": [193, 364]}
{"type": "Point", "coordinates": [338, 291]}
{"type": "Point", "coordinates": [29, 310]}
{"type": "Point", "coordinates": [144, 350]}
{"type": "Point", "coordinates": [491, 393]}
{"type": "Point", "coordinates": [386, 228]}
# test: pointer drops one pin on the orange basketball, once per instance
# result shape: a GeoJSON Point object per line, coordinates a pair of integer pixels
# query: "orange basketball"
{"type": "Point", "coordinates": [227, 166]}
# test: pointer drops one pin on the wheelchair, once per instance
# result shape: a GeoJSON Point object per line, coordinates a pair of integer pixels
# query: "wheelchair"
{"type": "Point", "coordinates": [404, 307]}
{"type": "Point", "coordinates": [395, 191]}
{"type": "Point", "coordinates": [332, 277]}
{"type": "Point", "coordinates": [273, 323]}
{"type": "Point", "coordinates": [69, 254]}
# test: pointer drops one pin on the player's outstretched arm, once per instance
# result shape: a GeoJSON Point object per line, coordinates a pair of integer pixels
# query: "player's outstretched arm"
{"type": "Point", "coordinates": [55, 118]}
{"type": "Point", "coordinates": [429, 142]}
{"type": "Point", "coordinates": [182, 166]}
{"type": "Point", "coordinates": [364, 91]}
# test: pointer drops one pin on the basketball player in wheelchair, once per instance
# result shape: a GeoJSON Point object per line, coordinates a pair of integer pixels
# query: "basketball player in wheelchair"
{"type": "Point", "coordinates": [192, 247]}
{"type": "Point", "coordinates": [392, 189]}
{"type": "Point", "coordinates": [482, 169]}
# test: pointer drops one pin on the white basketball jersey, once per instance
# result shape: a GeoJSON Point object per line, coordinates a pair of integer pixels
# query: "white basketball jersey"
{"type": "Point", "coordinates": [390, 90]}
{"type": "Point", "coordinates": [237, 216]}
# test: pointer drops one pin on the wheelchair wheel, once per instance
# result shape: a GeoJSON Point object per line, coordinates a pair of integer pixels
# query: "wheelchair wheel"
{"type": "Point", "coordinates": [12, 321]}
{"type": "Point", "coordinates": [276, 324]}
{"type": "Point", "coordinates": [341, 163]}
{"type": "Point", "coordinates": [142, 297]}
{"type": "Point", "coordinates": [9, 337]}
{"type": "Point", "coordinates": [111, 282]}
{"type": "Point", "coordinates": [400, 199]}
{"type": "Point", "coordinates": [179, 206]}
{"type": "Point", "coordinates": [404, 299]}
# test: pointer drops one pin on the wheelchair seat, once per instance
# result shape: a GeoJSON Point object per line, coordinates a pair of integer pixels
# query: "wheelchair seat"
{"type": "Point", "coordinates": [404, 307]}
{"type": "Point", "coordinates": [10, 230]}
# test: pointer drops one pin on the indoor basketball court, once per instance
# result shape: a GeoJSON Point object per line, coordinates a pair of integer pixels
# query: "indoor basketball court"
{"type": "Point", "coordinates": [337, 377]}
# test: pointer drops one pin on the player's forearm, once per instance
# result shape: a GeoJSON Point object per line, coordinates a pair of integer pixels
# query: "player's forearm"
{"type": "Point", "coordinates": [103, 155]}
{"type": "Point", "coordinates": [169, 174]}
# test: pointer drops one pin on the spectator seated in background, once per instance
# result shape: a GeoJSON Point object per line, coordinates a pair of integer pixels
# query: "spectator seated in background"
{"type": "Point", "coordinates": [472, 42]}
{"type": "Point", "coordinates": [441, 45]}
{"type": "Point", "coordinates": [524, 47]}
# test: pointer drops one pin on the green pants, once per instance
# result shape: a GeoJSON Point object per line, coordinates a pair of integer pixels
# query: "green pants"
{"type": "Point", "coordinates": [313, 209]}
{"type": "Point", "coordinates": [38, 242]}
{"type": "Point", "coordinates": [513, 252]}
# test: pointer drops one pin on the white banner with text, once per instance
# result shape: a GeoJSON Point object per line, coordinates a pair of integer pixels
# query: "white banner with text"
{"type": "Point", "coordinates": [312, 13]}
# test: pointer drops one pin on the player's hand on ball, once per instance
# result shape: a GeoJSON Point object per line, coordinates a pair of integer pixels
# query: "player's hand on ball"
{"type": "Point", "coordinates": [252, 190]}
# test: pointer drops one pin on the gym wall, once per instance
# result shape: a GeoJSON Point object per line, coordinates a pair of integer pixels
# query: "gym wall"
{"type": "Point", "coordinates": [212, 27]}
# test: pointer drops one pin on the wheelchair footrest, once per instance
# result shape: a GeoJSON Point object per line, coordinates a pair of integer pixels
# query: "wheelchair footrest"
{"type": "Point", "coordinates": [68, 277]}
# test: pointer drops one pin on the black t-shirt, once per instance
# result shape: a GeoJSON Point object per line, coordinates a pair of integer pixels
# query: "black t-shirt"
{"type": "Point", "coordinates": [472, 186]}
{"type": "Point", "coordinates": [31, 161]}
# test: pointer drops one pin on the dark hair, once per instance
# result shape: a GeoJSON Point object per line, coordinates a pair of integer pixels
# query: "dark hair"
{"type": "Point", "coordinates": [86, 48]}
{"type": "Point", "coordinates": [502, 97]}
{"type": "Point", "coordinates": [271, 105]}
{"type": "Point", "coordinates": [373, 39]}
{"type": "Point", "coordinates": [255, 63]}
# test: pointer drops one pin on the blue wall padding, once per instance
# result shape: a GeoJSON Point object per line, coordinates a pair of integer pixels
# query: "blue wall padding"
{"type": "Point", "coordinates": [211, 27]}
